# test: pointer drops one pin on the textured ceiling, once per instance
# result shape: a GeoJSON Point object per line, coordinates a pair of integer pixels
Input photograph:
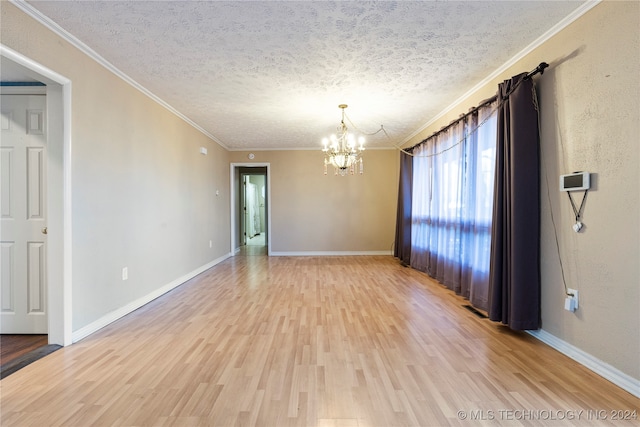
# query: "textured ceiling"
{"type": "Point", "coordinates": [271, 74]}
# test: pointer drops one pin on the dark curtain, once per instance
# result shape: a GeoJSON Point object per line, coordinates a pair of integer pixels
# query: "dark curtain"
{"type": "Point", "coordinates": [402, 247]}
{"type": "Point", "coordinates": [514, 282]}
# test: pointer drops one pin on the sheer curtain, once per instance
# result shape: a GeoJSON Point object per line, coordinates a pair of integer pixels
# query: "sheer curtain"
{"type": "Point", "coordinates": [452, 202]}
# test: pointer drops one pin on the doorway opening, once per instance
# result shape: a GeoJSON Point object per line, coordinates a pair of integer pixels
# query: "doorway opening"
{"type": "Point", "coordinates": [57, 203]}
{"type": "Point", "coordinates": [250, 209]}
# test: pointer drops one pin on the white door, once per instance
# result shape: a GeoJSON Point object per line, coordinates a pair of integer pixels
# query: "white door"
{"type": "Point", "coordinates": [23, 160]}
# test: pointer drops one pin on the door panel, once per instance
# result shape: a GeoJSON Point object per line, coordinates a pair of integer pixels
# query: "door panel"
{"type": "Point", "coordinates": [35, 183]}
{"type": "Point", "coordinates": [6, 183]}
{"type": "Point", "coordinates": [23, 215]}
{"type": "Point", "coordinates": [35, 278]}
{"type": "Point", "coordinates": [7, 291]}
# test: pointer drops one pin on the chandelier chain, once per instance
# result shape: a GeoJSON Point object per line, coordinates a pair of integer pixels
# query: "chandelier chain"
{"type": "Point", "coordinates": [359, 130]}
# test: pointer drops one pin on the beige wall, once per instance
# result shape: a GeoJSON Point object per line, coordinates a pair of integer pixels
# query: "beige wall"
{"type": "Point", "coordinates": [143, 196]}
{"type": "Point", "coordinates": [590, 113]}
{"type": "Point", "coordinates": [311, 212]}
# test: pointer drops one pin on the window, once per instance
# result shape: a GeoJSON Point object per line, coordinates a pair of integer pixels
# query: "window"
{"type": "Point", "coordinates": [453, 174]}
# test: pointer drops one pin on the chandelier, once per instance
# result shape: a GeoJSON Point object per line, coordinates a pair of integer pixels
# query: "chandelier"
{"type": "Point", "coordinates": [340, 150]}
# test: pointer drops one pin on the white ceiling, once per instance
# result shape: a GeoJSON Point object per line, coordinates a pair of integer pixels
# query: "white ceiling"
{"type": "Point", "coordinates": [270, 74]}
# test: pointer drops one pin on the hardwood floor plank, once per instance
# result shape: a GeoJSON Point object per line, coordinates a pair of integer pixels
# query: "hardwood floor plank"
{"type": "Point", "coordinates": [306, 341]}
{"type": "Point", "coordinates": [13, 346]}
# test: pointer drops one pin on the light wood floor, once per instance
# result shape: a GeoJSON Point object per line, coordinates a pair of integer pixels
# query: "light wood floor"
{"type": "Point", "coordinates": [306, 341]}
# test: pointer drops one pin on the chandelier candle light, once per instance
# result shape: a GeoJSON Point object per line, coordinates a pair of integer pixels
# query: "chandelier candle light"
{"type": "Point", "coordinates": [340, 150]}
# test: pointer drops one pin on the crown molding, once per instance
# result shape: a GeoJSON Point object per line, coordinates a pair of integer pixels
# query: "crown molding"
{"type": "Point", "coordinates": [51, 25]}
{"type": "Point", "coordinates": [584, 8]}
{"type": "Point", "coordinates": [256, 149]}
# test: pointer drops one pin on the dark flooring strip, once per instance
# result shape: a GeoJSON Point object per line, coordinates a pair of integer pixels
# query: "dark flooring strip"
{"type": "Point", "coordinates": [24, 360]}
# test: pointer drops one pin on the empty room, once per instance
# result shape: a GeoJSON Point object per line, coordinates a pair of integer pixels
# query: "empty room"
{"type": "Point", "coordinates": [320, 213]}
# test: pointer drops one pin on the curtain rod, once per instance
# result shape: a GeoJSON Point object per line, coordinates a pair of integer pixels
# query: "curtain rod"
{"type": "Point", "coordinates": [461, 117]}
{"type": "Point", "coordinates": [539, 69]}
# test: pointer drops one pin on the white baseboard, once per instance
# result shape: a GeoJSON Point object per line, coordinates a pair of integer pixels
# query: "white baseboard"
{"type": "Point", "coordinates": [330, 253]}
{"type": "Point", "coordinates": [601, 368]}
{"type": "Point", "coordinates": [134, 305]}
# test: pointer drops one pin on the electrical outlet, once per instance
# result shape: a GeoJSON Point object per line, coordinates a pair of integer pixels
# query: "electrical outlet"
{"type": "Point", "coordinates": [210, 244]}
{"type": "Point", "coordinates": [574, 297]}
{"type": "Point", "coordinates": [571, 300]}
{"type": "Point", "coordinates": [569, 304]}
{"type": "Point", "coordinates": [125, 273]}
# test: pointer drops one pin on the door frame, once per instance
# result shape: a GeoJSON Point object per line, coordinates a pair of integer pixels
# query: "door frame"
{"type": "Point", "coordinates": [58, 203]}
{"type": "Point", "coordinates": [234, 191]}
